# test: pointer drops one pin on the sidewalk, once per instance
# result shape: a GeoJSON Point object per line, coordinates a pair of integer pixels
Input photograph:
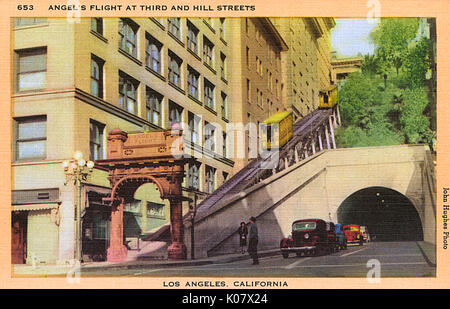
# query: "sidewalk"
{"type": "Point", "coordinates": [63, 270]}
{"type": "Point", "coordinates": [429, 252]}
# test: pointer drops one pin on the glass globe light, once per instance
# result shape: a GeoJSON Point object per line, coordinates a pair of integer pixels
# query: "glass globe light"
{"type": "Point", "coordinates": [78, 155]}
{"type": "Point", "coordinates": [90, 164]}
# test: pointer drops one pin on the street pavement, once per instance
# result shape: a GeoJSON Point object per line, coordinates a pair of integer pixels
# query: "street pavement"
{"type": "Point", "coordinates": [389, 259]}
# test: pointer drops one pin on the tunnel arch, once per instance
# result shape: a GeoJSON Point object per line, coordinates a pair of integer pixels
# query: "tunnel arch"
{"type": "Point", "coordinates": [388, 214]}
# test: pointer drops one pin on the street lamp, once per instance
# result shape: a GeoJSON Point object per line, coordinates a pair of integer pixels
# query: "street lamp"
{"type": "Point", "coordinates": [77, 170]}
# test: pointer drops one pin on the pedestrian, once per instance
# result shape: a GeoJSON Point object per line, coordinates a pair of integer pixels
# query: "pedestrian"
{"type": "Point", "coordinates": [253, 241]}
{"type": "Point", "coordinates": [243, 232]}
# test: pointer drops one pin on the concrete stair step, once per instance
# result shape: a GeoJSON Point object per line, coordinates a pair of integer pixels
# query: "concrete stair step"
{"type": "Point", "coordinates": [149, 250]}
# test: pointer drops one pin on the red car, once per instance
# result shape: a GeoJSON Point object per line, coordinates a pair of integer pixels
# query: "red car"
{"type": "Point", "coordinates": [353, 234]}
{"type": "Point", "coordinates": [309, 236]}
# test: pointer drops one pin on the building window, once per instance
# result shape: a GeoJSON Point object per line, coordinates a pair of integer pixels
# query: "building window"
{"type": "Point", "coordinates": [128, 36]}
{"type": "Point", "coordinates": [223, 66]}
{"type": "Point", "coordinates": [194, 127]}
{"type": "Point", "coordinates": [96, 141]}
{"type": "Point", "coordinates": [28, 21]}
{"type": "Point", "coordinates": [133, 206]}
{"type": "Point", "coordinates": [128, 93]}
{"type": "Point", "coordinates": [208, 94]}
{"type": "Point", "coordinates": [193, 82]}
{"type": "Point", "coordinates": [156, 210]}
{"type": "Point", "coordinates": [175, 26]}
{"type": "Point", "coordinates": [208, 50]}
{"type": "Point", "coordinates": [153, 106]}
{"type": "Point", "coordinates": [97, 25]}
{"type": "Point", "coordinates": [175, 114]}
{"type": "Point", "coordinates": [210, 179]}
{"type": "Point", "coordinates": [31, 69]}
{"type": "Point", "coordinates": [247, 56]}
{"type": "Point", "coordinates": [259, 66]}
{"type": "Point", "coordinates": [97, 76]}
{"type": "Point", "coordinates": [259, 97]}
{"type": "Point", "coordinates": [192, 37]}
{"type": "Point", "coordinates": [222, 28]}
{"type": "Point", "coordinates": [225, 176]}
{"type": "Point", "coordinates": [277, 88]}
{"type": "Point", "coordinates": [223, 95]}
{"type": "Point", "coordinates": [249, 91]}
{"type": "Point", "coordinates": [31, 138]}
{"type": "Point", "coordinates": [194, 175]}
{"type": "Point", "coordinates": [224, 144]}
{"type": "Point", "coordinates": [153, 54]}
{"type": "Point", "coordinates": [270, 81]}
{"type": "Point", "coordinates": [210, 142]}
{"type": "Point", "coordinates": [175, 69]}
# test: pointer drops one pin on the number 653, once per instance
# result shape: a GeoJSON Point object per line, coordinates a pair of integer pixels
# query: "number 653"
{"type": "Point", "coordinates": [25, 7]}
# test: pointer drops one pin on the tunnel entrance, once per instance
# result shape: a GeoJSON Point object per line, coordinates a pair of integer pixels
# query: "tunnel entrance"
{"type": "Point", "coordinates": [388, 215]}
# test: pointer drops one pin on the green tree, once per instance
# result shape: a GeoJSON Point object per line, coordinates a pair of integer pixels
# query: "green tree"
{"type": "Point", "coordinates": [417, 63]}
{"type": "Point", "coordinates": [371, 65]}
{"type": "Point", "coordinates": [392, 36]}
{"type": "Point", "coordinates": [415, 124]}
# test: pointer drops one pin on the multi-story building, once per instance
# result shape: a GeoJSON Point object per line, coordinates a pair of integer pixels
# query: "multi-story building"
{"type": "Point", "coordinates": [258, 89]}
{"type": "Point", "coordinates": [344, 66]}
{"type": "Point", "coordinates": [306, 63]}
{"type": "Point", "coordinates": [75, 82]}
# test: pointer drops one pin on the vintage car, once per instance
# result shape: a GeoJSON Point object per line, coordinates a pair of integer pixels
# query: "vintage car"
{"type": "Point", "coordinates": [353, 234]}
{"type": "Point", "coordinates": [309, 236]}
{"type": "Point", "coordinates": [341, 239]}
{"type": "Point", "coordinates": [365, 233]}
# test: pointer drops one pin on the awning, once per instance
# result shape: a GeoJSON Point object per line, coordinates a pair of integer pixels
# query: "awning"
{"type": "Point", "coordinates": [98, 190]}
{"type": "Point", "coordinates": [94, 195]}
{"type": "Point", "coordinates": [27, 207]}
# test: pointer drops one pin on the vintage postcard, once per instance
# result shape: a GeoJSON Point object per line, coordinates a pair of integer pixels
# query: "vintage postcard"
{"type": "Point", "coordinates": [225, 145]}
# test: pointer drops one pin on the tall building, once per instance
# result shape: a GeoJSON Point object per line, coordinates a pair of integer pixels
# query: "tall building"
{"type": "Point", "coordinates": [306, 63]}
{"type": "Point", "coordinates": [258, 90]}
{"type": "Point", "coordinates": [74, 83]}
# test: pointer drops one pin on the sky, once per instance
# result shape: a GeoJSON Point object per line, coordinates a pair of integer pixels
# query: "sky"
{"type": "Point", "coordinates": [351, 36]}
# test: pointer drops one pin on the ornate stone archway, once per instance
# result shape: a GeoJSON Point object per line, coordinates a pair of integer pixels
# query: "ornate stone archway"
{"type": "Point", "coordinates": [134, 160]}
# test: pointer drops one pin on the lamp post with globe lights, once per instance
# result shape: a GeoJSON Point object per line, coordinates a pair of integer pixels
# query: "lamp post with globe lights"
{"type": "Point", "coordinates": [77, 170]}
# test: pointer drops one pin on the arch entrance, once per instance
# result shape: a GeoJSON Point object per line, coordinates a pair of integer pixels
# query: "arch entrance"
{"type": "Point", "coordinates": [137, 159]}
{"type": "Point", "coordinates": [388, 214]}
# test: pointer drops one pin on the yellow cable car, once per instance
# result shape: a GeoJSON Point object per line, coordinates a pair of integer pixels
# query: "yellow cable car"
{"type": "Point", "coordinates": [276, 131]}
{"type": "Point", "coordinates": [328, 98]}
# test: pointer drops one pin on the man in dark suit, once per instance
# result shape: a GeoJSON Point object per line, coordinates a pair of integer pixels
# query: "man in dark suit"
{"type": "Point", "coordinates": [253, 241]}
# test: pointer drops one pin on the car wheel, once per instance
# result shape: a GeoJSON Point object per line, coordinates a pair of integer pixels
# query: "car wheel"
{"type": "Point", "coordinates": [285, 255]}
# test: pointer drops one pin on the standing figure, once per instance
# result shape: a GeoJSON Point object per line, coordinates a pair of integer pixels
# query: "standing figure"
{"type": "Point", "coordinates": [253, 241]}
{"type": "Point", "coordinates": [243, 231]}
